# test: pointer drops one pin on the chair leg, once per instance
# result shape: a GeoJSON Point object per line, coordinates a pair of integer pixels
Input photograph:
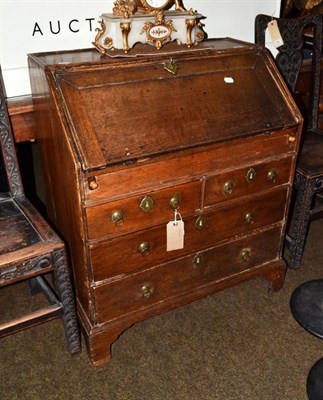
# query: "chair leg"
{"type": "Point", "coordinates": [305, 189]}
{"type": "Point", "coordinates": [65, 294]}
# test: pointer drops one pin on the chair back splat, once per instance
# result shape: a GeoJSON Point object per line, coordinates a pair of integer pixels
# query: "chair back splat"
{"type": "Point", "coordinates": [291, 55]}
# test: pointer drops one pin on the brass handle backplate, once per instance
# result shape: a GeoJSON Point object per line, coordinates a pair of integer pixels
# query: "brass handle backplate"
{"type": "Point", "coordinates": [251, 175]}
{"type": "Point", "coordinates": [175, 201]}
{"type": "Point", "coordinates": [144, 248]}
{"type": "Point", "coordinates": [272, 176]}
{"type": "Point", "coordinates": [245, 255]}
{"type": "Point", "coordinates": [249, 218]}
{"type": "Point", "coordinates": [147, 204]}
{"type": "Point", "coordinates": [198, 260]}
{"type": "Point", "coordinates": [228, 187]}
{"type": "Point", "coordinates": [117, 217]}
{"type": "Point", "coordinates": [200, 223]}
{"type": "Point", "coordinates": [146, 291]}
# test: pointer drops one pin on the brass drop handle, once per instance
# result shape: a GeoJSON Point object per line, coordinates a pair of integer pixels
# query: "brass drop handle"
{"type": "Point", "coordinates": [117, 217]}
{"type": "Point", "coordinates": [228, 187]}
{"type": "Point", "coordinates": [174, 201]}
{"type": "Point", "coordinates": [200, 223]}
{"type": "Point", "coordinates": [198, 260]}
{"type": "Point", "coordinates": [272, 176]}
{"type": "Point", "coordinates": [144, 248]}
{"type": "Point", "coordinates": [146, 291]}
{"type": "Point", "coordinates": [251, 175]}
{"type": "Point", "coordinates": [147, 204]}
{"type": "Point", "coordinates": [245, 255]}
{"type": "Point", "coordinates": [249, 218]}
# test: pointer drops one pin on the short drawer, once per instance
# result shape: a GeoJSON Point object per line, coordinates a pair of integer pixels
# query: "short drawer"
{"type": "Point", "coordinates": [137, 212]}
{"type": "Point", "coordinates": [247, 180]}
{"type": "Point", "coordinates": [131, 252]}
{"type": "Point", "coordinates": [165, 281]}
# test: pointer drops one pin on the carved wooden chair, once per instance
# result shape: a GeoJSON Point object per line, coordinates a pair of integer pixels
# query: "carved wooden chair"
{"type": "Point", "coordinates": [308, 181]}
{"type": "Point", "coordinates": [29, 248]}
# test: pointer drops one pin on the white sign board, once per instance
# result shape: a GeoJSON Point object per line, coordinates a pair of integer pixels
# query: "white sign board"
{"type": "Point", "coordinates": [45, 25]}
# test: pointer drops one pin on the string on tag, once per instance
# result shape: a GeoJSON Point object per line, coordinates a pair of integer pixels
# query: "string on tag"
{"type": "Point", "coordinates": [176, 214]}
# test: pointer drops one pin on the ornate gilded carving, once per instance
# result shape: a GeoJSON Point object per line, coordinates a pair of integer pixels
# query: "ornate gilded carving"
{"type": "Point", "coordinates": [200, 34]}
{"type": "Point", "coordinates": [160, 31]}
{"type": "Point", "coordinates": [108, 42]}
{"type": "Point", "coordinates": [125, 29]}
{"type": "Point", "coordinates": [190, 25]}
{"type": "Point", "coordinates": [100, 32]}
{"type": "Point", "coordinates": [122, 29]}
{"type": "Point", "coordinates": [66, 296]}
{"type": "Point", "coordinates": [179, 6]}
{"type": "Point", "coordinates": [124, 8]}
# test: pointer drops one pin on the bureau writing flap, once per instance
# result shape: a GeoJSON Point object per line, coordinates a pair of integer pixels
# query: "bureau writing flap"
{"type": "Point", "coordinates": [139, 109]}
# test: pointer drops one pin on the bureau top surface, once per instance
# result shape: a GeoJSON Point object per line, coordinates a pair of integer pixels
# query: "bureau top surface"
{"type": "Point", "coordinates": [118, 109]}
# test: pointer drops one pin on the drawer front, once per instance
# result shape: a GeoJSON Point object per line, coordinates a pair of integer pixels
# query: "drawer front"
{"type": "Point", "coordinates": [165, 281]}
{"type": "Point", "coordinates": [189, 165]}
{"type": "Point", "coordinates": [148, 209]}
{"type": "Point", "coordinates": [247, 180]}
{"type": "Point", "coordinates": [145, 248]}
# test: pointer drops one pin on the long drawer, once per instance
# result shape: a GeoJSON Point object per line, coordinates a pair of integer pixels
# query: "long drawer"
{"type": "Point", "coordinates": [127, 253]}
{"type": "Point", "coordinates": [165, 281]}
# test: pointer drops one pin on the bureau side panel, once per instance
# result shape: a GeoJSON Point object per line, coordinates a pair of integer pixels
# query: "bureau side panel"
{"type": "Point", "coordinates": [61, 176]}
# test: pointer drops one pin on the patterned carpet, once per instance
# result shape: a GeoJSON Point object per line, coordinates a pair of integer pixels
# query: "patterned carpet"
{"type": "Point", "coordinates": [241, 343]}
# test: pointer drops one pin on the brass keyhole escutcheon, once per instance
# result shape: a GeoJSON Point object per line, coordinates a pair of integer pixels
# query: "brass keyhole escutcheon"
{"type": "Point", "coordinates": [144, 248]}
{"type": "Point", "coordinates": [175, 201]}
{"type": "Point", "coordinates": [146, 291]}
{"type": "Point", "coordinates": [117, 217]}
{"type": "Point", "coordinates": [170, 66]}
{"type": "Point", "coordinates": [147, 204]}
{"type": "Point", "coordinates": [245, 255]}
{"type": "Point", "coordinates": [249, 218]}
{"type": "Point", "coordinates": [198, 260]}
{"type": "Point", "coordinates": [228, 187]}
{"type": "Point", "coordinates": [200, 223]}
{"type": "Point", "coordinates": [272, 176]}
{"type": "Point", "coordinates": [251, 175]}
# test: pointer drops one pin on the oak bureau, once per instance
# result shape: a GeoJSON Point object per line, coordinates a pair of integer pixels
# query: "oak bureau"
{"type": "Point", "coordinates": [129, 145]}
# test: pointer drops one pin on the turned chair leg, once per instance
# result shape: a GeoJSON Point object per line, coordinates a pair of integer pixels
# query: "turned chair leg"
{"type": "Point", "coordinates": [305, 189]}
{"type": "Point", "coordinates": [65, 294]}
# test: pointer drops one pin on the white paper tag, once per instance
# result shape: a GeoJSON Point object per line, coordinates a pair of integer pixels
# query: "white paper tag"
{"type": "Point", "coordinates": [175, 233]}
{"type": "Point", "coordinates": [274, 33]}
